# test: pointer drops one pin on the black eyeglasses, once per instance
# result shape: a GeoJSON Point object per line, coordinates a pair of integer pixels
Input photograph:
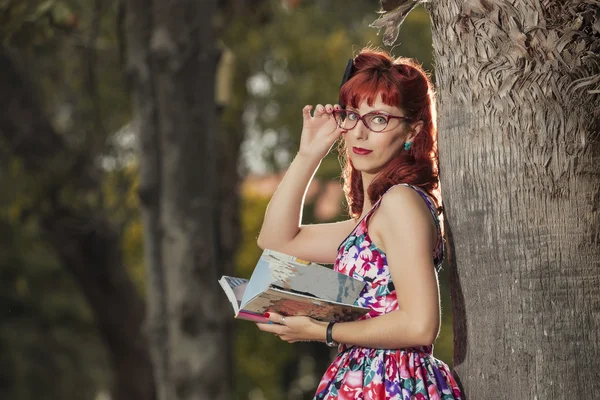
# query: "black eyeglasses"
{"type": "Point", "coordinates": [375, 121]}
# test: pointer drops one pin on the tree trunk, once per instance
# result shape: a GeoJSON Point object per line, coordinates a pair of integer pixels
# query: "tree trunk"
{"type": "Point", "coordinates": [519, 151]}
{"type": "Point", "coordinates": [82, 237]}
{"type": "Point", "coordinates": [172, 62]}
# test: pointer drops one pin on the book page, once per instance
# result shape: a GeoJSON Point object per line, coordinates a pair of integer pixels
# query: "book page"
{"type": "Point", "coordinates": [298, 276]}
{"type": "Point", "coordinates": [234, 288]}
{"type": "Point", "coordinates": [287, 303]}
{"type": "Point", "coordinates": [259, 282]}
{"type": "Point", "coordinates": [318, 280]}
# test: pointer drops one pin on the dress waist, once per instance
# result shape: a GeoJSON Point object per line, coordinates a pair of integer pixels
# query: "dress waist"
{"type": "Point", "coordinates": [421, 350]}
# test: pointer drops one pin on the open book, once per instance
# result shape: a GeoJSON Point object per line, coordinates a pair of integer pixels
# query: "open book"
{"type": "Point", "coordinates": [290, 286]}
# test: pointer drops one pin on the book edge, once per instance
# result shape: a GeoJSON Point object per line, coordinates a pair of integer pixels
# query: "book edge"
{"type": "Point", "coordinates": [229, 293]}
{"type": "Point", "coordinates": [304, 297]}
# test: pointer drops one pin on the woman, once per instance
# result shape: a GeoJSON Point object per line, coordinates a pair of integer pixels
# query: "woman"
{"type": "Point", "coordinates": [393, 240]}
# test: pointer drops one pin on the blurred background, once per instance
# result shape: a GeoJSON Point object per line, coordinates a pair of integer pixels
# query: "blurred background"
{"type": "Point", "coordinates": [275, 57]}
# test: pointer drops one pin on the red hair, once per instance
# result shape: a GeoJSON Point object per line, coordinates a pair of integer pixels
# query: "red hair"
{"type": "Point", "coordinates": [404, 84]}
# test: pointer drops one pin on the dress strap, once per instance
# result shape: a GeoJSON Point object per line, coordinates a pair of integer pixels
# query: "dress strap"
{"type": "Point", "coordinates": [378, 202]}
{"type": "Point", "coordinates": [438, 253]}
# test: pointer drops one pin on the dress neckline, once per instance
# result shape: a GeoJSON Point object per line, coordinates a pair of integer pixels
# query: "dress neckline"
{"type": "Point", "coordinates": [360, 221]}
{"type": "Point", "coordinates": [429, 204]}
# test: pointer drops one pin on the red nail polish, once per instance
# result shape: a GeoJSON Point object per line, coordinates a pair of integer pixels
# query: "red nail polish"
{"type": "Point", "coordinates": [267, 314]}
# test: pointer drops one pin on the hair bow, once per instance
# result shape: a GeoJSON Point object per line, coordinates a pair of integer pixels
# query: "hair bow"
{"type": "Point", "coordinates": [347, 75]}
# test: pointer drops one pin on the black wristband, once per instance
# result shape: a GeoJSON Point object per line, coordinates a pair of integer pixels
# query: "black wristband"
{"type": "Point", "coordinates": [329, 335]}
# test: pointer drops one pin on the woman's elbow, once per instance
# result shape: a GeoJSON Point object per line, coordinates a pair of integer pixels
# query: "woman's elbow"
{"type": "Point", "coordinates": [260, 241]}
{"type": "Point", "coordinates": [427, 334]}
{"type": "Point", "coordinates": [265, 243]}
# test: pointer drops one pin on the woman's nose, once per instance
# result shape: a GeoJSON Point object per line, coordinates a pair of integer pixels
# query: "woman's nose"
{"type": "Point", "coordinates": [360, 131]}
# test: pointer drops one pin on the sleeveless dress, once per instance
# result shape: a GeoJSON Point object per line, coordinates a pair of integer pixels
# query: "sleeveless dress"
{"type": "Point", "coordinates": [378, 374]}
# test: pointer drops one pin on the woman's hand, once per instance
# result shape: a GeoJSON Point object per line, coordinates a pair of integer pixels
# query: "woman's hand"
{"type": "Point", "coordinates": [294, 329]}
{"type": "Point", "coordinates": [319, 131]}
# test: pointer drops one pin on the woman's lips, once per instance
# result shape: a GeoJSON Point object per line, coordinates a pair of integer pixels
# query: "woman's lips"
{"type": "Point", "coordinates": [360, 151]}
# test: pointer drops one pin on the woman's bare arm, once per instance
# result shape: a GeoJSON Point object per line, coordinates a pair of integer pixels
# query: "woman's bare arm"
{"type": "Point", "coordinates": [282, 228]}
{"type": "Point", "coordinates": [404, 225]}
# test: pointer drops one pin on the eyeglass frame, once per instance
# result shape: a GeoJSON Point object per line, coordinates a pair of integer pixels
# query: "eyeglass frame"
{"type": "Point", "coordinates": [362, 118]}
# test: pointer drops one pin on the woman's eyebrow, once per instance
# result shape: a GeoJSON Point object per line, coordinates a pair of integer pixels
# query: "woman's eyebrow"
{"type": "Point", "coordinates": [368, 112]}
{"type": "Point", "coordinates": [380, 112]}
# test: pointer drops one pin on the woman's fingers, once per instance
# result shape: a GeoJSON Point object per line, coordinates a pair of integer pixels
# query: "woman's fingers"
{"type": "Point", "coordinates": [272, 328]}
{"type": "Point", "coordinates": [276, 318]}
{"type": "Point", "coordinates": [306, 112]}
{"type": "Point", "coordinates": [289, 329]}
{"type": "Point", "coordinates": [319, 131]}
{"type": "Point", "coordinates": [320, 111]}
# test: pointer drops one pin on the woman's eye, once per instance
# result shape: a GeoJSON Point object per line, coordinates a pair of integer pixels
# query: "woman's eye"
{"type": "Point", "coordinates": [352, 116]}
{"type": "Point", "coordinates": [378, 119]}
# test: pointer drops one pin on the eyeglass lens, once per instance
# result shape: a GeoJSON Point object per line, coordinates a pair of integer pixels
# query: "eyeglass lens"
{"type": "Point", "coordinates": [349, 119]}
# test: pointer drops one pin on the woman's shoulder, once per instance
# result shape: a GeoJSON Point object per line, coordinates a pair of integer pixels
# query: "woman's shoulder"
{"type": "Point", "coordinates": [402, 216]}
{"type": "Point", "coordinates": [401, 192]}
{"type": "Point", "coordinates": [403, 201]}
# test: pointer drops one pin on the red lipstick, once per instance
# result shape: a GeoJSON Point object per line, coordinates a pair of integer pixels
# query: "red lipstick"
{"type": "Point", "coordinates": [360, 151]}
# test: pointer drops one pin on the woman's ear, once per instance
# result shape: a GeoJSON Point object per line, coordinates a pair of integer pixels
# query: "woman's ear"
{"type": "Point", "coordinates": [415, 129]}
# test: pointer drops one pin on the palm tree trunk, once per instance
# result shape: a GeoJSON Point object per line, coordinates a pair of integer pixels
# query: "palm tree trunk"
{"type": "Point", "coordinates": [519, 151]}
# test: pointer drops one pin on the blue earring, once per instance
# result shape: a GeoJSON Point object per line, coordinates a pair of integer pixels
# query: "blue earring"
{"type": "Point", "coordinates": [407, 145]}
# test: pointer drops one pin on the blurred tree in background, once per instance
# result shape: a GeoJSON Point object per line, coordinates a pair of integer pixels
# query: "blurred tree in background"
{"type": "Point", "coordinates": [63, 106]}
{"type": "Point", "coordinates": [72, 274]}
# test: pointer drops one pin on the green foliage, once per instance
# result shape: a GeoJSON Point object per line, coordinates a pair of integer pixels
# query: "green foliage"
{"type": "Point", "coordinates": [50, 347]}
{"type": "Point", "coordinates": [444, 345]}
{"type": "Point", "coordinates": [35, 22]}
{"type": "Point", "coordinates": [121, 202]}
{"type": "Point", "coordinates": [253, 370]}
{"type": "Point", "coordinates": [259, 358]}
{"type": "Point", "coordinates": [292, 67]}
{"type": "Point", "coordinates": [48, 341]}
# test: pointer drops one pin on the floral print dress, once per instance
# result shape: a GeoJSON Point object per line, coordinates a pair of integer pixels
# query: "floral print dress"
{"type": "Point", "coordinates": [394, 374]}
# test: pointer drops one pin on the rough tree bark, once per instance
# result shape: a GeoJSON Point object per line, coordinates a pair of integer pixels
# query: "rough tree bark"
{"type": "Point", "coordinates": [83, 238]}
{"type": "Point", "coordinates": [172, 60]}
{"type": "Point", "coordinates": [519, 113]}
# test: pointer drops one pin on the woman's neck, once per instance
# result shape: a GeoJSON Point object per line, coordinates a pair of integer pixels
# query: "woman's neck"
{"type": "Point", "coordinates": [366, 181]}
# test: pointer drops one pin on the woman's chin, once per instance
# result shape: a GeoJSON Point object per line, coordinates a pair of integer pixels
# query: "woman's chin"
{"type": "Point", "coordinates": [366, 168]}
